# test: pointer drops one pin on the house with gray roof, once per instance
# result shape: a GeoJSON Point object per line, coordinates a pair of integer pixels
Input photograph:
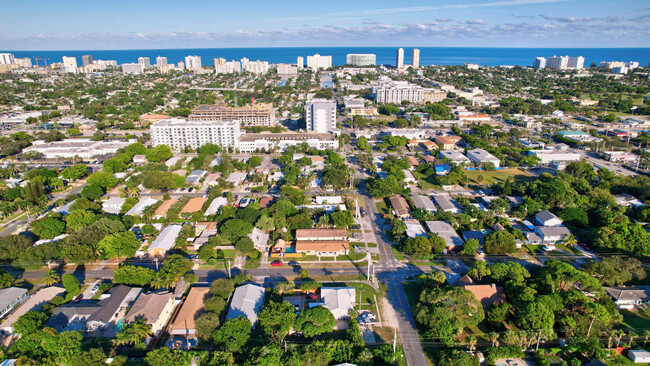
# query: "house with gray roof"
{"type": "Point", "coordinates": [113, 205]}
{"type": "Point", "coordinates": [444, 230]}
{"type": "Point", "coordinates": [628, 297]}
{"type": "Point", "coordinates": [480, 156]}
{"type": "Point", "coordinates": [455, 156]}
{"type": "Point", "coordinates": [247, 301]}
{"type": "Point", "coordinates": [10, 297]}
{"type": "Point", "coordinates": [138, 208]}
{"type": "Point", "coordinates": [165, 241]}
{"type": "Point", "coordinates": [195, 176]}
{"type": "Point", "coordinates": [447, 203]}
{"type": "Point", "coordinates": [423, 202]}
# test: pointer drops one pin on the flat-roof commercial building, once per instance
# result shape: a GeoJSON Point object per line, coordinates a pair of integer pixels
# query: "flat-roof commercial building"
{"type": "Point", "coordinates": [179, 133]}
{"type": "Point", "coordinates": [69, 148]}
{"type": "Point", "coordinates": [259, 114]}
{"type": "Point", "coordinates": [361, 59]}
{"type": "Point", "coordinates": [480, 156]}
{"type": "Point", "coordinates": [266, 140]}
{"type": "Point", "coordinates": [320, 115]}
{"type": "Point", "coordinates": [386, 90]}
{"type": "Point", "coordinates": [547, 156]}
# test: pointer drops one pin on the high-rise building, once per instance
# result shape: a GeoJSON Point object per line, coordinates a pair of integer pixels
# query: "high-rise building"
{"type": "Point", "coordinates": [557, 62]}
{"type": "Point", "coordinates": [70, 64]}
{"type": "Point", "coordinates": [320, 115]}
{"type": "Point", "coordinates": [259, 114]}
{"type": "Point", "coordinates": [180, 133]}
{"type": "Point", "coordinates": [317, 61]}
{"type": "Point", "coordinates": [7, 59]}
{"type": "Point", "coordinates": [86, 60]}
{"type": "Point", "coordinates": [539, 63]}
{"type": "Point", "coordinates": [219, 61]}
{"type": "Point", "coordinates": [146, 63]}
{"type": "Point", "coordinates": [103, 64]}
{"type": "Point", "coordinates": [256, 67]}
{"type": "Point", "coordinates": [226, 67]}
{"type": "Point", "coordinates": [415, 58]}
{"type": "Point", "coordinates": [386, 90]}
{"type": "Point", "coordinates": [23, 62]}
{"type": "Point", "coordinates": [400, 58]}
{"type": "Point", "coordinates": [361, 59]}
{"type": "Point", "coordinates": [181, 65]}
{"type": "Point", "coordinates": [193, 62]}
{"type": "Point", "coordinates": [133, 68]}
{"type": "Point", "coordinates": [300, 61]}
{"type": "Point", "coordinates": [286, 69]}
{"type": "Point", "coordinates": [161, 61]}
{"type": "Point", "coordinates": [577, 62]}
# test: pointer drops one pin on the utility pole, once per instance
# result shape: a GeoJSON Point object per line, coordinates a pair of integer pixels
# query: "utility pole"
{"type": "Point", "coordinates": [229, 276]}
{"type": "Point", "coordinates": [539, 335]}
{"type": "Point", "coordinates": [394, 344]}
{"type": "Point", "coordinates": [156, 260]}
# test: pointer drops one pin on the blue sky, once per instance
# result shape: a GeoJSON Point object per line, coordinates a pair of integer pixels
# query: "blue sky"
{"type": "Point", "coordinates": [120, 24]}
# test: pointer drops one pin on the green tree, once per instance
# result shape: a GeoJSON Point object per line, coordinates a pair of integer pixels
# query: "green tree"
{"type": "Point", "coordinates": [265, 223]}
{"type": "Point", "coordinates": [206, 324]}
{"type": "Point", "coordinates": [50, 278]}
{"type": "Point", "coordinates": [234, 229]}
{"type": "Point", "coordinates": [114, 165]}
{"type": "Point", "coordinates": [71, 284]}
{"type": "Point", "coordinates": [92, 192]}
{"type": "Point", "coordinates": [245, 245]}
{"type": "Point", "coordinates": [30, 322]}
{"type": "Point", "coordinates": [500, 242]}
{"type": "Point", "coordinates": [132, 275]}
{"type": "Point", "coordinates": [13, 246]}
{"type": "Point", "coordinates": [48, 227]}
{"type": "Point", "coordinates": [615, 270]}
{"type": "Point", "coordinates": [418, 245]}
{"type": "Point", "coordinates": [233, 334]}
{"type": "Point", "coordinates": [457, 358]}
{"type": "Point", "coordinates": [470, 246]}
{"type": "Point", "coordinates": [133, 333]}
{"type": "Point", "coordinates": [74, 172]}
{"type": "Point", "coordinates": [159, 153]}
{"type": "Point", "coordinates": [167, 357]}
{"type": "Point", "coordinates": [222, 287]}
{"type": "Point", "coordinates": [315, 321]}
{"type": "Point", "coordinates": [342, 219]}
{"type": "Point", "coordinates": [277, 319]}
{"type": "Point", "coordinates": [124, 244]}
{"type": "Point", "coordinates": [215, 304]}
{"type": "Point", "coordinates": [6, 279]}
{"type": "Point", "coordinates": [102, 179]}
{"type": "Point", "coordinates": [79, 219]}
{"type": "Point", "coordinates": [438, 244]}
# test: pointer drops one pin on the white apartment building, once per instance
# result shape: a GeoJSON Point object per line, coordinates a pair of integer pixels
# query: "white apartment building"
{"type": "Point", "coordinates": [361, 59]}
{"type": "Point", "coordinates": [133, 68]}
{"type": "Point", "coordinates": [70, 64]}
{"type": "Point", "coordinates": [103, 64]}
{"type": "Point", "coordinates": [577, 62]}
{"type": "Point", "coordinates": [317, 61]}
{"type": "Point", "coordinates": [145, 62]}
{"type": "Point", "coordinates": [82, 148]}
{"type": "Point", "coordinates": [227, 67]}
{"type": "Point", "coordinates": [386, 90]}
{"type": "Point", "coordinates": [24, 62]}
{"type": "Point", "coordinates": [320, 115]}
{"type": "Point", "coordinates": [252, 142]}
{"type": "Point", "coordinates": [287, 69]}
{"type": "Point", "coordinates": [161, 61]}
{"type": "Point", "coordinates": [300, 61]}
{"type": "Point", "coordinates": [415, 58]}
{"type": "Point", "coordinates": [256, 67]}
{"type": "Point", "coordinates": [557, 62]}
{"type": "Point", "coordinates": [7, 59]}
{"type": "Point", "coordinates": [193, 62]}
{"type": "Point", "coordinates": [400, 58]}
{"type": "Point", "coordinates": [539, 63]}
{"type": "Point", "coordinates": [179, 133]}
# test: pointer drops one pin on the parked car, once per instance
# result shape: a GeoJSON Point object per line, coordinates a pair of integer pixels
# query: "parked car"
{"type": "Point", "coordinates": [245, 202]}
{"type": "Point", "coordinates": [276, 263]}
{"type": "Point", "coordinates": [94, 289]}
{"type": "Point", "coordinates": [363, 212]}
{"type": "Point", "coordinates": [293, 263]}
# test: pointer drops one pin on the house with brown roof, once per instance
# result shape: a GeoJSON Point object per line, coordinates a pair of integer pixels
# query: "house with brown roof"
{"type": "Point", "coordinates": [430, 145]}
{"type": "Point", "coordinates": [413, 143]}
{"type": "Point", "coordinates": [448, 142]}
{"type": "Point", "coordinates": [161, 211]}
{"type": "Point", "coordinates": [413, 161]}
{"type": "Point", "coordinates": [266, 201]}
{"type": "Point", "coordinates": [191, 309]}
{"type": "Point", "coordinates": [321, 234]}
{"type": "Point", "coordinates": [400, 207]}
{"type": "Point", "coordinates": [486, 294]}
{"type": "Point", "coordinates": [429, 158]}
{"type": "Point", "coordinates": [147, 119]}
{"type": "Point", "coordinates": [155, 307]}
{"type": "Point", "coordinates": [194, 205]}
{"type": "Point", "coordinates": [323, 247]}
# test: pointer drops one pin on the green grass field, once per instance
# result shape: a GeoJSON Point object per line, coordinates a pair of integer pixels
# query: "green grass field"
{"type": "Point", "coordinates": [425, 182]}
{"type": "Point", "coordinates": [381, 207]}
{"type": "Point", "coordinates": [497, 176]}
{"type": "Point", "coordinates": [637, 319]}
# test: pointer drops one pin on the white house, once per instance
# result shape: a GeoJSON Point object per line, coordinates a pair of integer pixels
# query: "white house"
{"type": "Point", "coordinates": [247, 301]}
{"type": "Point", "coordinates": [546, 218]}
{"type": "Point", "coordinates": [113, 205]}
{"type": "Point", "coordinates": [338, 300]}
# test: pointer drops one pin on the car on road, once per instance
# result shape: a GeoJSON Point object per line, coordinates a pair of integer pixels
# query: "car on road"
{"type": "Point", "coordinates": [363, 212]}
{"type": "Point", "coordinates": [94, 289]}
{"type": "Point", "coordinates": [276, 263]}
{"type": "Point", "coordinates": [293, 263]}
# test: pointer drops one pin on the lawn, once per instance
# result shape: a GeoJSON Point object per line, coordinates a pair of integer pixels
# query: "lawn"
{"type": "Point", "coordinates": [425, 182]}
{"type": "Point", "coordinates": [497, 176]}
{"type": "Point", "coordinates": [382, 208]}
{"type": "Point", "coordinates": [637, 319]}
{"type": "Point", "coordinates": [398, 255]}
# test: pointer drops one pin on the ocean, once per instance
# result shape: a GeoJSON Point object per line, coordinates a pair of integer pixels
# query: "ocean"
{"type": "Point", "coordinates": [385, 55]}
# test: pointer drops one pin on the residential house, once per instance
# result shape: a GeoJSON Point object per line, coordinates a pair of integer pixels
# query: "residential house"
{"type": "Point", "coordinates": [328, 200]}
{"type": "Point", "coordinates": [423, 202]}
{"type": "Point", "coordinates": [409, 178]}
{"type": "Point", "coordinates": [10, 297]}
{"type": "Point", "coordinates": [430, 145]}
{"type": "Point", "coordinates": [247, 301]}
{"type": "Point", "coordinates": [473, 234]}
{"type": "Point", "coordinates": [488, 295]}
{"type": "Point", "coordinates": [161, 211]}
{"type": "Point", "coordinates": [195, 176]}
{"type": "Point", "coordinates": [195, 204]}
{"type": "Point", "coordinates": [236, 178]}
{"type": "Point", "coordinates": [552, 234]}
{"type": "Point", "coordinates": [414, 229]}
{"type": "Point", "coordinates": [113, 205]}
{"type": "Point", "coordinates": [260, 239]}
{"type": "Point", "coordinates": [447, 203]}
{"type": "Point", "coordinates": [413, 161]}
{"type": "Point", "coordinates": [139, 159]}
{"type": "Point", "coordinates": [338, 300]}
{"type": "Point", "coordinates": [455, 156]}
{"type": "Point", "coordinates": [627, 200]}
{"type": "Point", "coordinates": [138, 208]}
{"type": "Point", "coordinates": [192, 307]}
{"type": "Point", "coordinates": [429, 158]}
{"type": "Point", "coordinates": [628, 297]}
{"type": "Point", "coordinates": [482, 157]}
{"type": "Point", "coordinates": [444, 230]}
{"type": "Point", "coordinates": [34, 303]}
{"type": "Point", "coordinates": [323, 247]}
{"type": "Point", "coordinates": [165, 241]}
{"type": "Point", "coordinates": [216, 205]}
{"type": "Point", "coordinates": [321, 234]}
{"type": "Point", "coordinates": [266, 201]}
{"type": "Point", "coordinates": [203, 231]}
{"type": "Point", "coordinates": [401, 209]}
{"type": "Point", "coordinates": [447, 142]}
{"type": "Point", "coordinates": [155, 307]}
{"type": "Point", "coordinates": [546, 218]}
{"type": "Point", "coordinates": [442, 169]}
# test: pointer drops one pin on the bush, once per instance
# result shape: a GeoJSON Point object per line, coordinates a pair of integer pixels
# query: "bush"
{"type": "Point", "coordinates": [222, 287]}
{"type": "Point", "coordinates": [215, 305]}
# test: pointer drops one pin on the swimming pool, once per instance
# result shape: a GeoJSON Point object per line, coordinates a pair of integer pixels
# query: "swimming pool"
{"type": "Point", "coordinates": [290, 249]}
{"type": "Point", "coordinates": [119, 325]}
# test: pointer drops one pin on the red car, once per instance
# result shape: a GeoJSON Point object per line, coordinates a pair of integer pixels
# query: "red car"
{"type": "Point", "coordinates": [276, 263]}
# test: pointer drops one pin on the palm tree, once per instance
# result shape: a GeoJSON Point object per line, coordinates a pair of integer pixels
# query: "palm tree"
{"type": "Point", "coordinates": [646, 335]}
{"type": "Point", "coordinates": [570, 241]}
{"type": "Point", "coordinates": [365, 356]}
{"type": "Point", "coordinates": [631, 336]}
{"type": "Point", "coordinates": [163, 281]}
{"type": "Point", "coordinates": [494, 338]}
{"type": "Point", "coordinates": [610, 335]}
{"type": "Point", "coordinates": [50, 278]}
{"type": "Point", "coordinates": [133, 333]}
{"type": "Point", "coordinates": [133, 191]}
{"type": "Point", "coordinates": [619, 336]}
{"type": "Point", "coordinates": [472, 343]}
